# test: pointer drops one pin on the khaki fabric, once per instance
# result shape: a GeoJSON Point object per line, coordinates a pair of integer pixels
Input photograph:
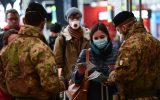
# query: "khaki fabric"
{"type": "Point", "coordinates": [138, 64]}
{"type": "Point", "coordinates": [29, 66]}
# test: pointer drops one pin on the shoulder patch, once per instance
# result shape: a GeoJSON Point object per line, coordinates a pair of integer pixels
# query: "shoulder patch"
{"type": "Point", "coordinates": [121, 62]}
{"type": "Point", "coordinates": [124, 62]}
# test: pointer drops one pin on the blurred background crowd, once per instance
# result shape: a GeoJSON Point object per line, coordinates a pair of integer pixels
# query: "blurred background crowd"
{"type": "Point", "coordinates": [93, 11]}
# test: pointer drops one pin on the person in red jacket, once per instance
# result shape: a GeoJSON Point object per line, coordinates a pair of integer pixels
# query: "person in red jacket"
{"type": "Point", "coordinates": [13, 22]}
{"type": "Point", "coordinates": [12, 19]}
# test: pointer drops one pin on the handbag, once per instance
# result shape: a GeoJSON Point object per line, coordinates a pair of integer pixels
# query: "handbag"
{"type": "Point", "coordinates": [79, 91]}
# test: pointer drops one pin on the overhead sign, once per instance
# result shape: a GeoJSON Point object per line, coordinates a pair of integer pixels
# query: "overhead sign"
{"type": "Point", "coordinates": [105, 15]}
{"type": "Point", "coordinates": [145, 13]}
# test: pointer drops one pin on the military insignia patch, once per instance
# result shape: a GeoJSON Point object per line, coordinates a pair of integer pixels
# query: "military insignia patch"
{"type": "Point", "coordinates": [124, 62]}
{"type": "Point", "coordinates": [121, 62]}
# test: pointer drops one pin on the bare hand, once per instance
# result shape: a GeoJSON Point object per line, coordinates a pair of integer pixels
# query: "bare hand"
{"type": "Point", "coordinates": [112, 77]}
{"type": "Point", "coordinates": [60, 72]}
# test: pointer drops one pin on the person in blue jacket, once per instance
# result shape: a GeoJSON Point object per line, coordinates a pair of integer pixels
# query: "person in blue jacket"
{"type": "Point", "coordinates": [102, 60]}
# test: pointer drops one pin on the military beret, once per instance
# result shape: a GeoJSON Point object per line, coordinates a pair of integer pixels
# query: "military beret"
{"type": "Point", "coordinates": [71, 11]}
{"type": "Point", "coordinates": [122, 17]}
{"type": "Point", "coordinates": [33, 6]}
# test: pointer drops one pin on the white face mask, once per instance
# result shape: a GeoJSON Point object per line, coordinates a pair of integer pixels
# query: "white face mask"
{"type": "Point", "coordinates": [75, 24]}
{"type": "Point", "coordinates": [101, 43]}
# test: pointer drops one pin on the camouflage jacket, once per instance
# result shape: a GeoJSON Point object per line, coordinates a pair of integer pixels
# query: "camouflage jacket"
{"type": "Point", "coordinates": [138, 64]}
{"type": "Point", "coordinates": [2, 80]}
{"type": "Point", "coordinates": [66, 53]}
{"type": "Point", "coordinates": [30, 65]}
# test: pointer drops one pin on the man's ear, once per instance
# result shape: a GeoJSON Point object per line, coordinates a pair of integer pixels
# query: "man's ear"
{"type": "Point", "coordinates": [41, 25]}
{"type": "Point", "coordinates": [24, 20]}
{"type": "Point", "coordinates": [124, 28]}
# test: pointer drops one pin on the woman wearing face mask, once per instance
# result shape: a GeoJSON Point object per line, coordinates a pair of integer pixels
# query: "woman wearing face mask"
{"type": "Point", "coordinates": [102, 60]}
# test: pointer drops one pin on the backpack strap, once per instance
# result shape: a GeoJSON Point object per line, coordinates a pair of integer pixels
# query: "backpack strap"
{"type": "Point", "coordinates": [85, 79]}
{"type": "Point", "coordinates": [64, 48]}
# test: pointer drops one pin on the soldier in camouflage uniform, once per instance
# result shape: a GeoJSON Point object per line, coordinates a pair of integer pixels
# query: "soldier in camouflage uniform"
{"type": "Point", "coordinates": [137, 66]}
{"type": "Point", "coordinates": [29, 64]}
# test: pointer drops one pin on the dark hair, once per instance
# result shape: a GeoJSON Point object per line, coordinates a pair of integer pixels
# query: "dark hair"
{"type": "Point", "coordinates": [11, 11]}
{"type": "Point", "coordinates": [99, 26]}
{"type": "Point", "coordinates": [7, 34]}
{"type": "Point", "coordinates": [33, 18]}
{"type": "Point", "coordinates": [56, 27]}
{"type": "Point", "coordinates": [35, 14]}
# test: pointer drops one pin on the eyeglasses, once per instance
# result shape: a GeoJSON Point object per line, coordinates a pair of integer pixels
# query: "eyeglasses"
{"type": "Point", "coordinates": [11, 19]}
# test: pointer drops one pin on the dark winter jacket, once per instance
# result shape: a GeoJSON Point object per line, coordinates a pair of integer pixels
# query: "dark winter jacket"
{"type": "Point", "coordinates": [3, 31]}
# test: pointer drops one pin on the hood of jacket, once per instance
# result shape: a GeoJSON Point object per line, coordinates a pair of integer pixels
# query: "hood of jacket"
{"type": "Point", "coordinates": [67, 35]}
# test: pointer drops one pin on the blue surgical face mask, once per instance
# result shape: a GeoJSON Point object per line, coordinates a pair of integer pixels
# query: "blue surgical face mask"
{"type": "Point", "coordinates": [101, 43]}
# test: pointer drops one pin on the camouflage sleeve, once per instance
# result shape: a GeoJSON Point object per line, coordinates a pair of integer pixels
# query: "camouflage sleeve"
{"type": "Point", "coordinates": [2, 80]}
{"type": "Point", "coordinates": [46, 68]}
{"type": "Point", "coordinates": [58, 51]}
{"type": "Point", "coordinates": [1, 70]}
{"type": "Point", "coordinates": [127, 61]}
{"type": "Point", "coordinates": [1, 73]}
